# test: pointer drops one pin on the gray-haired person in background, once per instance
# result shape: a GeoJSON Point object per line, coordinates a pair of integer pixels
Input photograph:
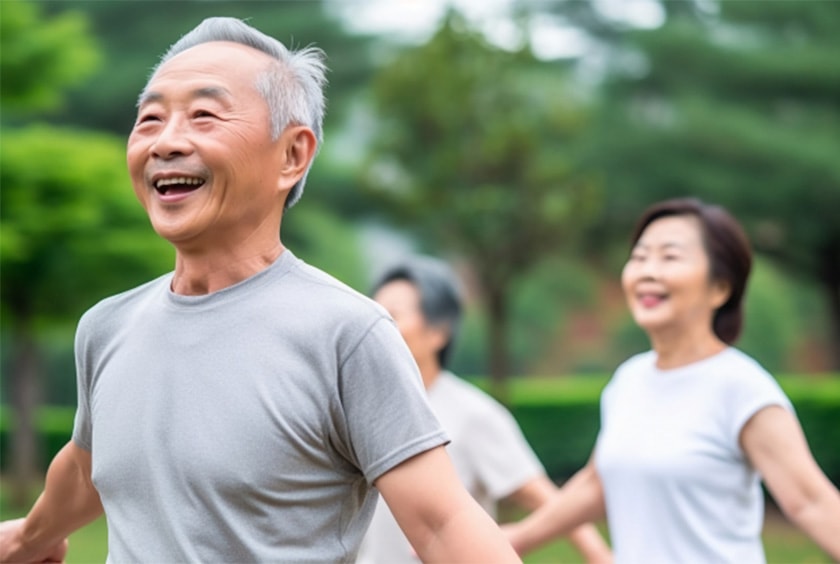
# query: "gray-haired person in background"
{"type": "Point", "coordinates": [490, 453]}
{"type": "Point", "coordinates": [243, 407]}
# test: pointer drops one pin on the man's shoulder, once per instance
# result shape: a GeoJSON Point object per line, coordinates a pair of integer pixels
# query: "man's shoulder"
{"type": "Point", "coordinates": [323, 291]}
{"type": "Point", "coordinates": [110, 313]}
{"type": "Point", "coordinates": [115, 303]}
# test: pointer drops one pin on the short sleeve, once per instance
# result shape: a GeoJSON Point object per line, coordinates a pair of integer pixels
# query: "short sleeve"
{"type": "Point", "coordinates": [82, 427]}
{"type": "Point", "coordinates": [386, 415]}
{"type": "Point", "coordinates": [752, 390]}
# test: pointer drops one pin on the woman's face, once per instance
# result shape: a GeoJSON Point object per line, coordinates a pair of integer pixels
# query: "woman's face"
{"type": "Point", "coordinates": [666, 280]}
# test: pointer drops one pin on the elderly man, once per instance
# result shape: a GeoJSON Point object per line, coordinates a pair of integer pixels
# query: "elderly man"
{"type": "Point", "coordinates": [243, 407]}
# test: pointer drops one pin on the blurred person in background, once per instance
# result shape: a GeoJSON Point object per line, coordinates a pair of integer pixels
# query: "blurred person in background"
{"type": "Point", "coordinates": [690, 428]}
{"type": "Point", "coordinates": [490, 454]}
{"type": "Point", "coordinates": [245, 407]}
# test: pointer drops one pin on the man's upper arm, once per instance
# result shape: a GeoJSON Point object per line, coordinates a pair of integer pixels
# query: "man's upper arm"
{"type": "Point", "coordinates": [441, 520]}
{"type": "Point", "coordinates": [69, 482]}
{"type": "Point", "coordinates": [419, 489]}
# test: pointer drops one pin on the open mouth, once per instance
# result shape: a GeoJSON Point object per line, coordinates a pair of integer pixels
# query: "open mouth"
{"type": "Point", "coordinates": [649, 300]}
{"type": "Point", "coordinates": [178, 185]}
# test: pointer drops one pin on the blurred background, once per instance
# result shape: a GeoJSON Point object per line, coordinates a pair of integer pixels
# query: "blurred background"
{"type": "Point", "coordinates": [519, 140]}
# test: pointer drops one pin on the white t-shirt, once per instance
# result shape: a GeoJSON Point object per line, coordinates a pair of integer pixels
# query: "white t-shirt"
{"type": "Point", "coordinates": [678, 487]}
{"type": "Point", "coordinates": [489, 452]}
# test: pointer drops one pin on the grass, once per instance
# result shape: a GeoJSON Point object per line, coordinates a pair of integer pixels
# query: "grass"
{"type": "Point", "coordinates": [783, 543]}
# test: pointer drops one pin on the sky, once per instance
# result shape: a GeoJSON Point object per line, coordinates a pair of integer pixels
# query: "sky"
{"type": "Point", "coordinates": [413, 21]}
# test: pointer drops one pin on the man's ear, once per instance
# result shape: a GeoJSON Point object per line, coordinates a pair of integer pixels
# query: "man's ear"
{"type": "Point", "coordinates": [297, 145]}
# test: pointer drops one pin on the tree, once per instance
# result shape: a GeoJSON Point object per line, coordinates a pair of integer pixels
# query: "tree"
{"type": "Point", "coordinates": [133, 35]}
{"type": "Point", "coordinates": [60, 49]}
{"type": "Point", "coordinates": [739, 107]}
{"type": "Point", "coordinates": [477, 152]}
{"type": "Point", "coordinates": [70, 228]}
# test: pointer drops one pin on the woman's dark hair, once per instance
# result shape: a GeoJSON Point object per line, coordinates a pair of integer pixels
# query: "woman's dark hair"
{"type": "Point", "coordinates": [728, 249]}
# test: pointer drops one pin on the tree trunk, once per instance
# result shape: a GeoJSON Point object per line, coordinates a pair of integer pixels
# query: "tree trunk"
{"type": "Point", "coordinates": [499, 353]}
{"type": "Point", "coordinates": [831, 283]}
{"type": "Point", "coordinates": [26, 396]}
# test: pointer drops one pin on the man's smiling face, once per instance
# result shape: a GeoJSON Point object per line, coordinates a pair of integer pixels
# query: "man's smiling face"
{"type": "Point", "coordinates": [201, 157]}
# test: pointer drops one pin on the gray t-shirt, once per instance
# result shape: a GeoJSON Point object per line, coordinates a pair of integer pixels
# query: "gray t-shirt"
{"type": "Point", "coordinates": [248, 424]}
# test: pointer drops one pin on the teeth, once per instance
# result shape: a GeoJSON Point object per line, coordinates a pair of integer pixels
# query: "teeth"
{"type": "Point", "coordinates": [179, 180]}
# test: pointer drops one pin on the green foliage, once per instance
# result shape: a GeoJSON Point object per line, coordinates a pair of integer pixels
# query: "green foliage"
{"type": "Point", "coordinates": [478, 154]}
{"type": "Point", "coordinates": [772, 325]}
{"type": "Point", "coordinates": [321, 239]}
{"type": "Point", "coordinates": [135, 33]}
{"type": "Point", "coordinates": [60, 50]}
{"type": "Point", "coordinates": [69, 214]}
{"type": "Point", "coordinates": [738, 109]}
{"type": "Point", "coordinates": [483, 145]}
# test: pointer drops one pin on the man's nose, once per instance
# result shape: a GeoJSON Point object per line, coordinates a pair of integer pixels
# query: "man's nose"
{"type": "Point", "coordinates": [172, 140]}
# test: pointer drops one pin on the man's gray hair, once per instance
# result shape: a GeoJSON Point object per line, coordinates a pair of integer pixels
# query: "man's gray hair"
{"type": "Point", "coordinates": [440, 294]}
{"type": "Point", "coordinates": [293, 88]}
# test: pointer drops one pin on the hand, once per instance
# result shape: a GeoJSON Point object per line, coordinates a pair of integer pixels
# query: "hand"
{"type": "Point", "coordinates": [12, 548]}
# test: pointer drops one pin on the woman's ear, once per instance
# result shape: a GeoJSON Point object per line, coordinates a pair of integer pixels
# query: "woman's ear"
{"type": "Point", "coordinates": [297, 146]}
{"type": "Point", "coordinates": [720, 292]}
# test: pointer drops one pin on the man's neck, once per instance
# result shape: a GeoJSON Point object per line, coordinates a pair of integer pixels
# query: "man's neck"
{"type": "Point", "coordinates": [205, 273]}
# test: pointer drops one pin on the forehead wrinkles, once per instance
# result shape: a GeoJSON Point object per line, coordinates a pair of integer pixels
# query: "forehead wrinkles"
{"type": "Point", "coordinates": [230, 63]}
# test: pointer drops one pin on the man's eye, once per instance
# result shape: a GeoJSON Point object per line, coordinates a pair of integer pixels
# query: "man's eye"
{"type": "Point", "coordinates": [147, 118]}
{"type": "Point", "coordinates": [203, 114]}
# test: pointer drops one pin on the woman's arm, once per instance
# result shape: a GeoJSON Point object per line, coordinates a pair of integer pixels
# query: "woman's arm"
{"type": "Point", "coordinates": [68, 502]}
{"type": "Point", "coordinates": [586, 538]}
{"type": "Point", "coordinates": [776, 446]}
{"type": "Point", "coordinates": [579, 501]}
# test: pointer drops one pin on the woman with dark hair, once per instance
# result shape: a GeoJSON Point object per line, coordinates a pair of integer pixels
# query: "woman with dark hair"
{"type": "Point", "coordinates": [690, 428]}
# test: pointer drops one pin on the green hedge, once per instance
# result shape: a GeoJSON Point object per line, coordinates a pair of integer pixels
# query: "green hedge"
{"type": "Point", "coordinates": [559, 416]}
{"type": "Point", "coordinates": [55, 424]}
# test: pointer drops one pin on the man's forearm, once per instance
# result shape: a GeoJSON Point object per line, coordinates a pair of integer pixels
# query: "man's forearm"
{"type": "Point", "coordinates": [68, 502]}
